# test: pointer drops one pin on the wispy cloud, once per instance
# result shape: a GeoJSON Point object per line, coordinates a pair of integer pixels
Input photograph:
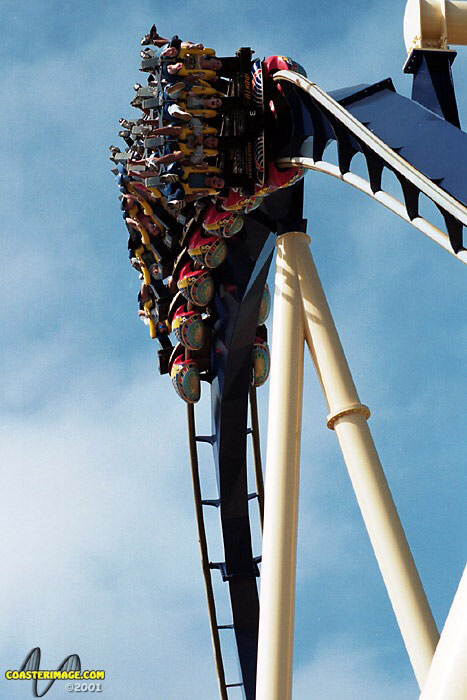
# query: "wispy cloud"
{"type": "Point", "coordinates": [341, 670]}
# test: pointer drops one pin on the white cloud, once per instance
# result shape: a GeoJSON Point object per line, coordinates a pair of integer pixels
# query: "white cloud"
{"type": "Point", "coordinates": [340, 671]}
{"type": "Point", "coordinates": [99, 532]}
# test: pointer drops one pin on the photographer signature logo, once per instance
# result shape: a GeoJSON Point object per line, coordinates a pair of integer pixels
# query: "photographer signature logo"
{"type": "Point", "coordinates": [32, 662]}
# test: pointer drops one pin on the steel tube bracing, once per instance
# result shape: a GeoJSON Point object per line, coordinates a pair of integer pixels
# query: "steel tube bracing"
{"type": "Point", "coordinates": [276, 623]}
{"type": "Point", "coordinates": [348, 417]}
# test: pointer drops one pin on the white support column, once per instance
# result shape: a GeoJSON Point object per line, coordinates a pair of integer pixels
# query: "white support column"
{"type": "Point", "coordinates": [348, 417]}
{"type": "Point", "coordinates": [277, 599]}
{"type": "Point", "coordinates": [447, 677]}
{"type": "Point", "coordinates": [433, 24]}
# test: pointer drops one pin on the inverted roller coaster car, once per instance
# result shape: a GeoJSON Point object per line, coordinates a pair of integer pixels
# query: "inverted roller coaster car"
{"type": "Point", "coordinates": [188, 327]}
{"type": "Point", "coordinates": [265, 307]}
{"type": "Point", "coordinates": [177, 216]}
{"type": "Point", "coordinates": [261, 362]}
{"type": "Point", "coordinates": [196, 286]}
{"type": "Point", "coordinates": [222, 223]}
{"type": "Point", "coordinates": [207, 250]}
{"type": "Point", "coordinates": [185, 378]}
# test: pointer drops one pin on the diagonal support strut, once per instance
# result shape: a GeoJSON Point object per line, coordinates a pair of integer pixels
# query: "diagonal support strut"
{"type": "Point", "coordinates": [301, 312]}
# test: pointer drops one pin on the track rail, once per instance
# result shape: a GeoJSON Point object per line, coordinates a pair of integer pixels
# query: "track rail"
{"type": "Point", "coordinates": [200, 503]}
{"type": "Point", "coordinates": [387, 200]}
{"type": "Point", "coordinates": [257, 453]}
{"type": "Point", "coordinates": [328, 119]}
{"type": "Point", "coordinates": [203, 545]}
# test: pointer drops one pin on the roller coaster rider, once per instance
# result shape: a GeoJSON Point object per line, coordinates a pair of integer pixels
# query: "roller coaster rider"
{"type": "Point", "coordinates": [185, 156]}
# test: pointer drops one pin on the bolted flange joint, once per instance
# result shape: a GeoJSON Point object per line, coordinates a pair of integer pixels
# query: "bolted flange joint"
{"type": "Point", "coordinates": [345, 411]}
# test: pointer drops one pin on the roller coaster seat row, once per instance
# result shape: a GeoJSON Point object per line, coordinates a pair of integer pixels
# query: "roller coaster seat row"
{"type": "Point", "coordinates": [196, 161]}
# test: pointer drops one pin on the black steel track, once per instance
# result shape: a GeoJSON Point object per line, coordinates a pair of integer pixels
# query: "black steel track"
{"type": "Point", "coordinates": [239, 290]}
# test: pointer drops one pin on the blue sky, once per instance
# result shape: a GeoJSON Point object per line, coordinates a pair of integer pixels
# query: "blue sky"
{"type": "Point", "coordinates": [99, 545]}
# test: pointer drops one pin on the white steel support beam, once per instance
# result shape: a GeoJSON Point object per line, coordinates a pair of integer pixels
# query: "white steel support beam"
{"type": "Point", "coordinates": [433, 24]}
{"type": "Point", "coordinates": [348, 417]}
{"type": "Point", "coordinates": [277, 600]}
{"type": "Point", "coordinates": [301, 310]}
{"type": "Point", "coordinates": [447, 677]}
